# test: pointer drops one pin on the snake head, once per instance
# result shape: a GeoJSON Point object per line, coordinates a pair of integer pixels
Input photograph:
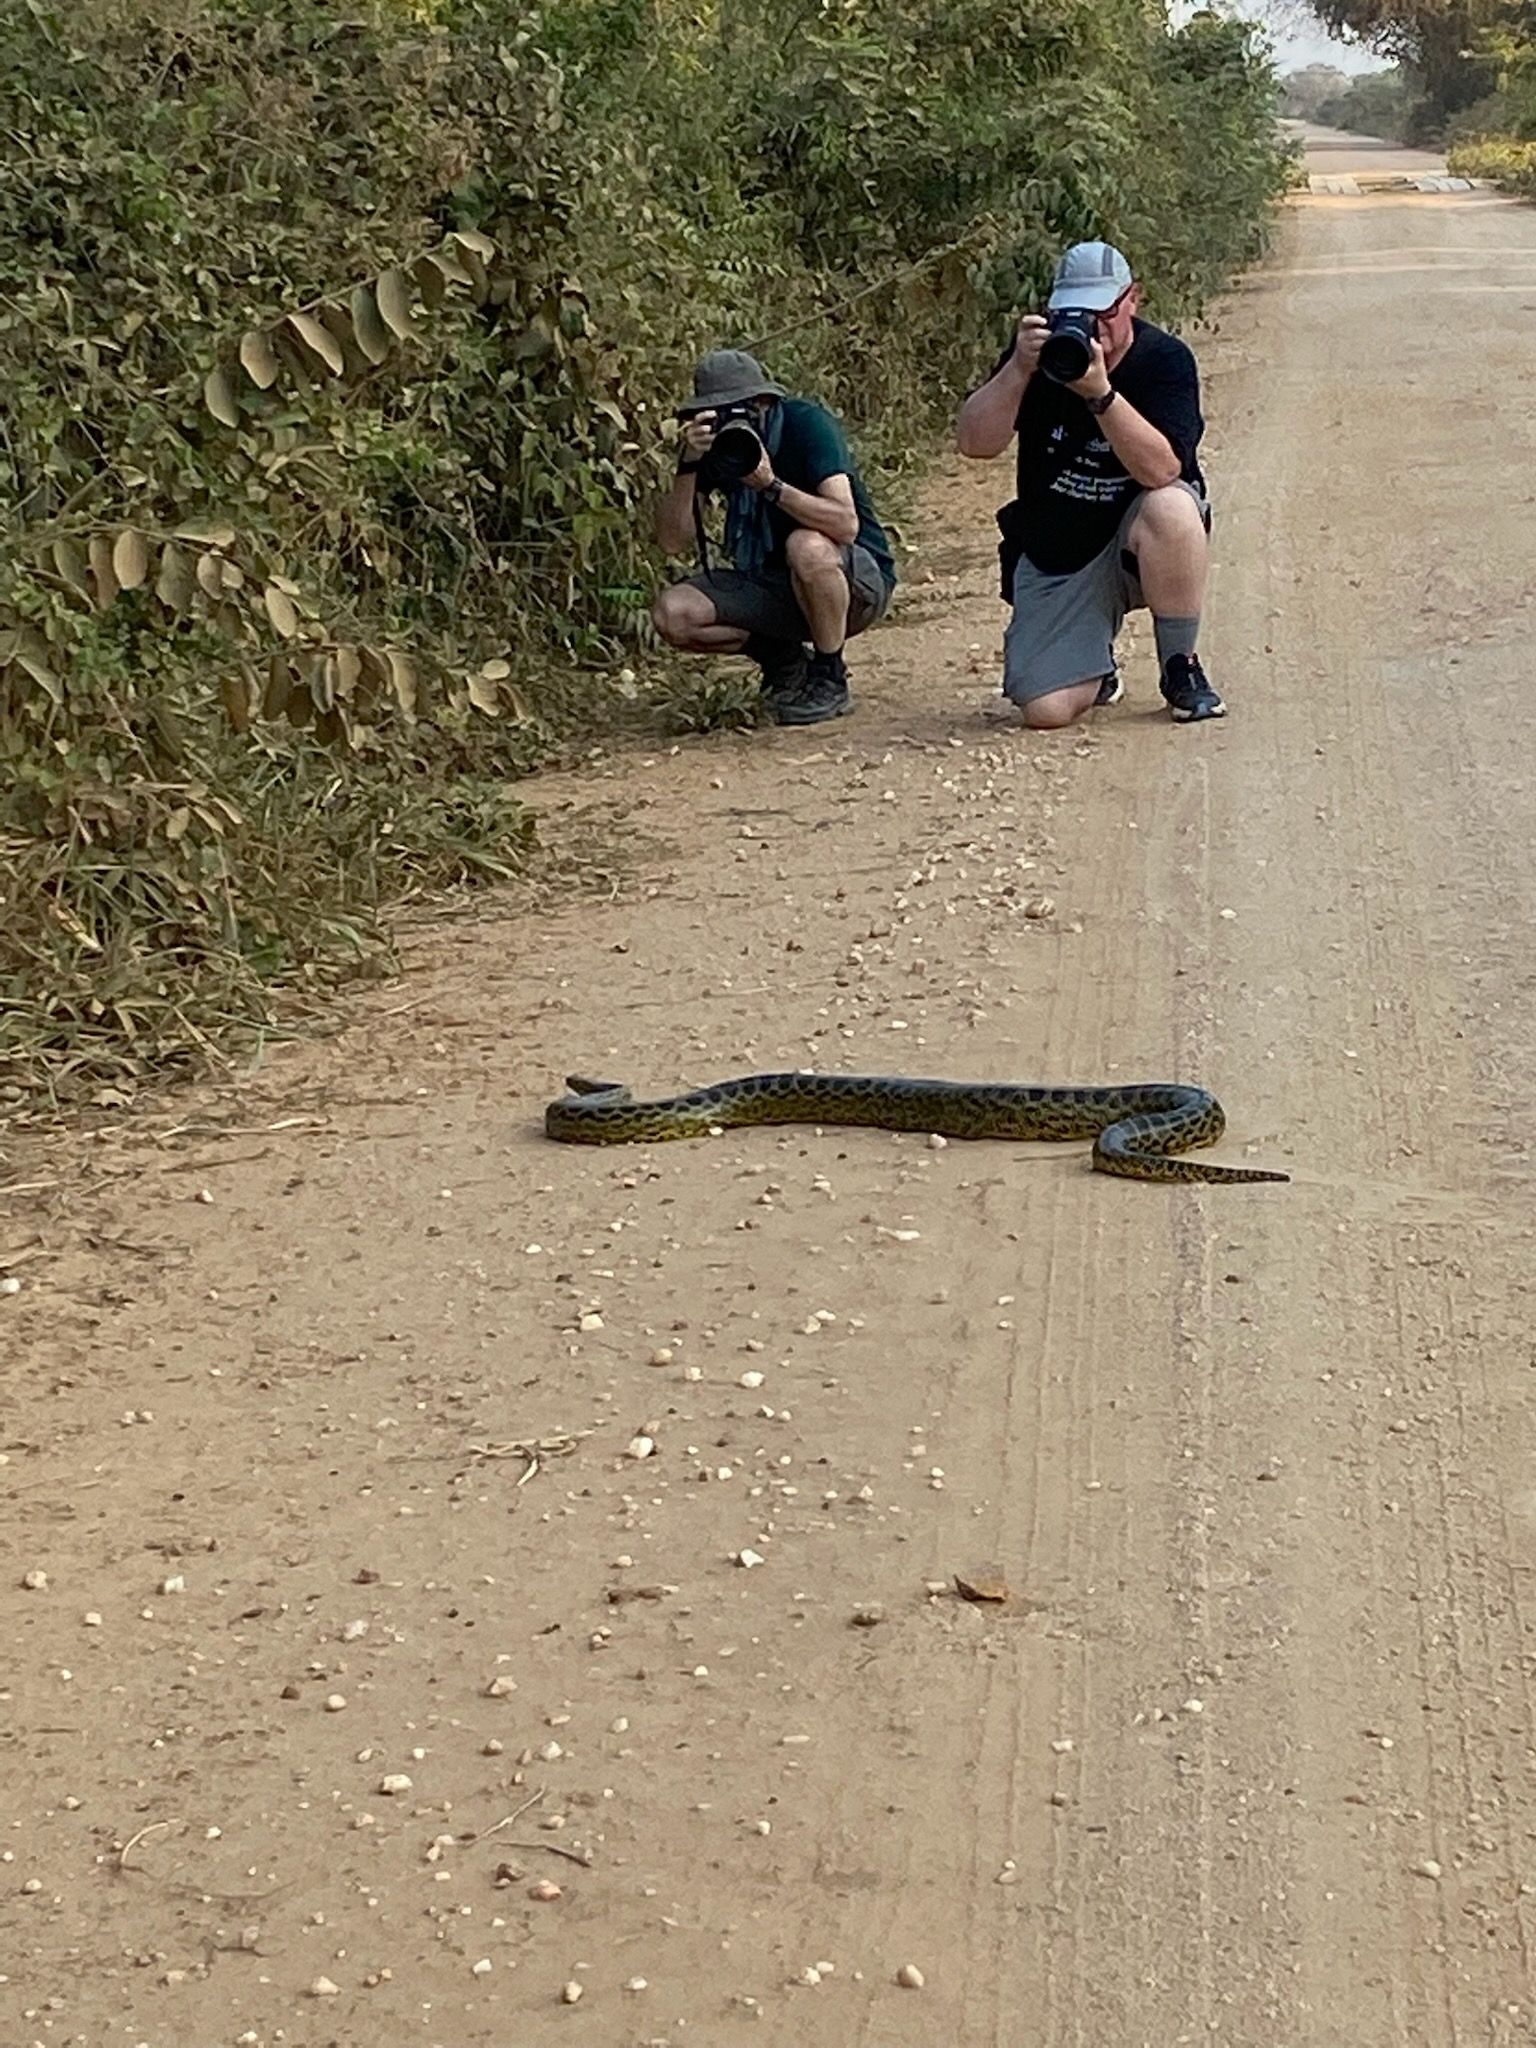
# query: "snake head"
{"type": "Point", "coordinates": [580, 1085]}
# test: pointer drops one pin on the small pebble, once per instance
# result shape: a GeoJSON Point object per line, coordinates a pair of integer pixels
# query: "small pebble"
{"type": "Point", "coordinates": [175, 1584]}
{"type": "Point", "coordinates": [747, 1558]}
{"type": "Point", "coordinates": [544, 1890]}
{"type": "Point", "coordinates": [640, 1447]}
{"type": "Point", "coordinates": [501, 1688]}
{"type": "Point", "coordinates": [663, 1355]}
{"type": "Point", "coordinates": [751, 1379]}
{"type": "Point", "coordinates": [335, 1703]}
{"type": "Point", "coordinates": [571, 1995]}
{"type": "Point", "coordinates": [92, 1620]}
{"type": "Point", "coordinates": [10, 1284]}
{"type": "Point", "coordinates": [910, 1977]}
{"type": "Point", "coordinates": [35, 1582]}
{"type": "Point", "coordinates": [394, 1783]}
{"type": "Point", "coordinates": [1426, 1867]}
{"type": "Point", "coordinates": [591, 1321]}
{"type": "Point", "coordinates": [637, 1984]}
{"type": "Point", "coordinates": [1064, 1747]}
{"type": "Point", "coordinates": [868, 1617]}
{"type": "Point", "coordinates": [324, 1988]}
{"type": "Point", "coordinates": [482, 1968]}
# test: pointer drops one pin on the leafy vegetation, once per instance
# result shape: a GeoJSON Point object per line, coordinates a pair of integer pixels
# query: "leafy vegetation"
{"type": "Point", "coordinates": [337, 351]}
{"type": "Point", "coordinates": [1383, 103]}
{"type": "Point", "coordinates": [1502, 161]}
{"type": "Point", "coordinates": [1466, 69]}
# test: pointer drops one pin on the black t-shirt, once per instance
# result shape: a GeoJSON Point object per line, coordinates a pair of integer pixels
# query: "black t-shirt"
{"type": "Point", "coordinates": [1072, 487]}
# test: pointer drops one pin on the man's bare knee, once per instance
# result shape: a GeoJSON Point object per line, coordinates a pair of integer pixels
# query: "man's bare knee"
{"type": "Point", "coordinates": [805, 550]}
{"type": "Point", "coordinates": [1050, 713]}
{"type": "Point", "coordinates": [678, 614]}
{"type": "Point", "coordinates": [1169, 514]}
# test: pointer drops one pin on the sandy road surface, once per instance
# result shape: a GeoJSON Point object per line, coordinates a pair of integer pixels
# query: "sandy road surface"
{"type": "Point", "coordinates": [1331, 151]}
{"type": "Point", "coordinates": [1247, 1758]}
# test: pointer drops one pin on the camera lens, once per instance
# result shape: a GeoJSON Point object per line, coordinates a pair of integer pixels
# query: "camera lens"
{"type": "Point", "coordinates": [1067, 352]}
{"type": "Point", "coordinates": [733, 455]}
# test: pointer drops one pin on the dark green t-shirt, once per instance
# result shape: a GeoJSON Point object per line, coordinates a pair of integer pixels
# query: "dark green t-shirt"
{"type": "Point", "coordinates": [812, 448]}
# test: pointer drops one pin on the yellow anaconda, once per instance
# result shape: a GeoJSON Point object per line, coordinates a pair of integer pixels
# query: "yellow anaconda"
{"type": "Point", "coordinates": [1134, 1129]}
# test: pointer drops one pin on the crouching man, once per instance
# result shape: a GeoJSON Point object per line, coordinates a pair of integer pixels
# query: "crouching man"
{"type": "Point", "coordinates": [809, 560]}
{"type": "Point", "coordinates": [1110, 513]}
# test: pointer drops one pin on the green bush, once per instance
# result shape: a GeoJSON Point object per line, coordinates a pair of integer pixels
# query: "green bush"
{"type": "Point", "coordinates": [1382, 103]}
{"type": "Point", "coordinates": [337, 351]}
{"type": "Point", "coordinates": [1509, 164]}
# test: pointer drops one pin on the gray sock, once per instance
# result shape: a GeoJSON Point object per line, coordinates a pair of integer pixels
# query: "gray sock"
{"type": "Point", "coordinates": [1174, 636]}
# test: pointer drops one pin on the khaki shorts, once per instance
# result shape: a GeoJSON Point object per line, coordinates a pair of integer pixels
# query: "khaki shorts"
{"type": "Point", "coordinates": [1063, 629]}
{"type": "Point", "coordinates": [766, 604]}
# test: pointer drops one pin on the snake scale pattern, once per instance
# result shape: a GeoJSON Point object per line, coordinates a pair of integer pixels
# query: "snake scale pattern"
{"type": "Point", "coordinates": [1134, 1129]}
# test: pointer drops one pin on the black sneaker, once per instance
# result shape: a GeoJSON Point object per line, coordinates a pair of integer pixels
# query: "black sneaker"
{"type": "Point", "coordinates": [782, 663]}
{"type": "Point", "coordinates": [1111, 689]}
{"type": "Point", "coordinates": [823, 693]}
{"type": "Point", "coordinates": [1188, 692]}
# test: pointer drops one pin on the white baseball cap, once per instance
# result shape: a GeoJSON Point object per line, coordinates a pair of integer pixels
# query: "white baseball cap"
{"type": "Point", "coordinates": [1092, 276]}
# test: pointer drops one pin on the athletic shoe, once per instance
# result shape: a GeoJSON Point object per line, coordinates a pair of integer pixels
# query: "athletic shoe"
{"type": "Point", "coordinates": [1188, 692]}
{"type": "Point", "coordinates": [1111, 689]}
{"type": "Point", "coordinates": [823, 693]}
{"type": "Point", "coordinates": [782, 663]}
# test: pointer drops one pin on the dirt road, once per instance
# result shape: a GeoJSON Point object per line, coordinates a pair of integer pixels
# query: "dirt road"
{"type": "Point", "coordinates": [1332, 152]}
{"type": "Point", "coordinates": [379, 1689]}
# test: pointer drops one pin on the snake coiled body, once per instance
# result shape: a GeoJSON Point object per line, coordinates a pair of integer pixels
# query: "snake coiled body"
{"type": "Point", "coordinates": [1134, 1129]}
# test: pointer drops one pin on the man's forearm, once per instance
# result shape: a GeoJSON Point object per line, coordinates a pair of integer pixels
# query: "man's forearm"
{"type": "Point", "coordinates": [674, 516]}
{"type": "Point", "coordinates": [987, 418]}
{"type": "Point", "coordinates": [822, 515]}
{"type": "Point", "coordinates": [1146, 452]}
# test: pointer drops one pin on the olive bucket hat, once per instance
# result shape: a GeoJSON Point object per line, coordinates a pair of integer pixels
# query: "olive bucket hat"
{"type": "Point", "coordinates": [729, 376]}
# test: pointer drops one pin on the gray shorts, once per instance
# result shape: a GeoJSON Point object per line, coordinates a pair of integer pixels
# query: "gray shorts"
{"type": "Point", "coordinates": [766, 604]}
{"type": "Point", "coordinates": [1063, 629]}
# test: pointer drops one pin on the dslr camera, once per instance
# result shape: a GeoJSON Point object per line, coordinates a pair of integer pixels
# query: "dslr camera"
{"type": "Point", "coordinates": [735, 451]}
{"type": "Point", "coordinates": [1067, 351]}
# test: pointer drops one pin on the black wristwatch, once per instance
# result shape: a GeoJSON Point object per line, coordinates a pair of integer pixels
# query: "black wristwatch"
{"type": "Point", "coordinates": [1098, 406]}
{"type": "Point", "coordinates": [774, 491]}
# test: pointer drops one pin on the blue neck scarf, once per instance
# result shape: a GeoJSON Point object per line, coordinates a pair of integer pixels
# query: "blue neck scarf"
{"type": "Point", "coordinates": [748, 533]}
